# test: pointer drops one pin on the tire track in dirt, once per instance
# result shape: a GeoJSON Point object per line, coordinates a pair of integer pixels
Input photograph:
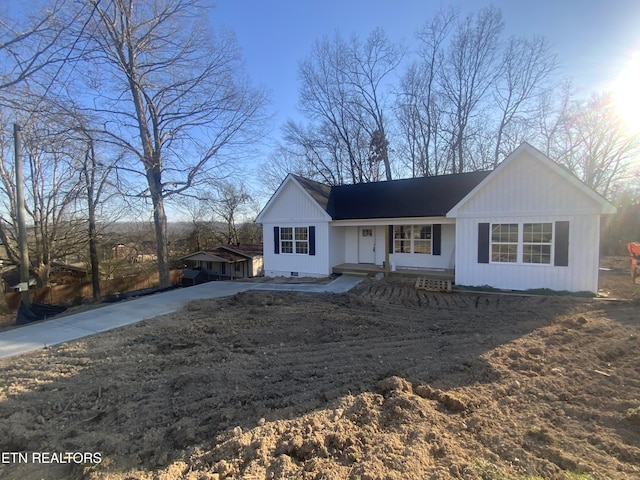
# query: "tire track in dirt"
{"type": "Point", "coordinates": [405, 295]}
{"type": "Point", "coordinates": [189, 378]}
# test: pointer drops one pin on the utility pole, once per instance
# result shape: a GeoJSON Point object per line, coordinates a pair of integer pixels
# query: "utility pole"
{"type": "Point", "coordinates": [22, 227]}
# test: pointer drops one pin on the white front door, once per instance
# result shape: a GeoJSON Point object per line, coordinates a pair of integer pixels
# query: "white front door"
{"type": "Point", "coordinates": [366, 245]}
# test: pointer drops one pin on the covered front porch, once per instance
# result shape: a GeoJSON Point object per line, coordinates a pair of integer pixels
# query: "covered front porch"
{"type": "Point", "coordinates": [419, 247]}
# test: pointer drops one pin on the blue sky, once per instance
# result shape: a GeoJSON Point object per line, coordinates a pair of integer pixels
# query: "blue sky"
{"type": "Point", "coordinates": [593, 38]}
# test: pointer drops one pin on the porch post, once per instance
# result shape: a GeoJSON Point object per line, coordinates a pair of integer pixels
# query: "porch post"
{"type": "Point", "coordinates": [387, 239]}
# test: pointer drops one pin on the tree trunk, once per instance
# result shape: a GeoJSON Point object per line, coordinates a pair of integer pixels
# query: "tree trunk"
{"type": "Point", "coordinates": [160, 224]}
{"type": "Point", "coordinates": [90, 183]}
{"type": "Point", "coordinates": [153, 166]}
{"type": "Point", "coordinates": [160, 227]}
{"type": "Point", "coordinates": [93, 253]}
{"type": "Point", "coordinates": [4, 308]}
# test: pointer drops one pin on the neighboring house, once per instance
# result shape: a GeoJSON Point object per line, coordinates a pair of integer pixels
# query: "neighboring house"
{"type": "Point", "coordinates": [527, 224]}
{"type": "Point", "coordinates": [131, 254]}
{"type": "Point", "coordinates": [11, 280]}
{"type": "Point", "coordinates": [65, 274]}
{"type": "Point", "coordinates": [59, 274]}
{"type": "Point", "coordinates": [226, 262]}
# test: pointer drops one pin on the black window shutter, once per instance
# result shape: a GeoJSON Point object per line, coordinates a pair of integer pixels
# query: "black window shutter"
{"type": "Point", "coordinates": [390, 238]}
{"type": "Point", "coordinates": [483, 243]}
{"type": "Point", "coordinates": [437, 239]}
{"type": "Point", "coordinates": [276, 240]}
{"type": "Point", "coordinates": [312, 240]}
{"type": "Point", "coordinates": [561, 244]}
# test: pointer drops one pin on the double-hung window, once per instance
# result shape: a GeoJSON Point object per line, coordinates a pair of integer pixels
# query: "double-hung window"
{"type": "Point", "coordinates": [521, 243]}
{"type": "Point", "coordinates": [536, 242]}
{"type": "Point", "coordinates": [294, 240]}
{"type": "Point", "coordinates": [412, 238]}
{"type": "Point", "coordinates": [504, 242]}
{"type": "Point", "coordinates": [301, 239]}
{"type": "Point", "coordinates": [402, 239]}
{"type": "Point", "coordinates": [286, 239]}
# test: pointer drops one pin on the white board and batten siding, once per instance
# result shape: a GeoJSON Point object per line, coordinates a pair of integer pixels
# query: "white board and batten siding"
{"type": "Point", "coordinates": [293, 207]}
{"type": "Point", "coordinates": [443, 260]}
{"type": "Point", "coordinates": [530, 190]}
{"type": "Point", "coordinates": [581, 273]}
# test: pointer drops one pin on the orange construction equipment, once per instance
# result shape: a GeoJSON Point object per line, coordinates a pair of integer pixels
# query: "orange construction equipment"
{"type": "Point", "coordinates": [634, 253]}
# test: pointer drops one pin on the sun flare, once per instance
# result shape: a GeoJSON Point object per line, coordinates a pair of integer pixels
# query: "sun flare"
{"type": "Point", "coordinates": [626, 91]}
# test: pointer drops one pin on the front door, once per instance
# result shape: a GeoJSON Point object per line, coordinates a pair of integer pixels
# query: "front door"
{"type": "Point", "coordinates": [366, 245]}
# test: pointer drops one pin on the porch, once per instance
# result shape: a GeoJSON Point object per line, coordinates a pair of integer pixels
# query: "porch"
{"type": "Point", "coordinates": [371, 269]}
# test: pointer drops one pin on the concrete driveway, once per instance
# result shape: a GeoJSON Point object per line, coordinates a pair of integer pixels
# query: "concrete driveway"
{"type": "Point", "coordinates": [37, 335]}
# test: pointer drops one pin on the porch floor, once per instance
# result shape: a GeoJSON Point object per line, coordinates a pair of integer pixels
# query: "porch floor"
{"type": "Point", "coordinates": [371, 269]}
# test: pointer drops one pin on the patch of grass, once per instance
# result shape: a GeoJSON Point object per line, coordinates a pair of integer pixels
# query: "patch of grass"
{"type": "Point", "coordinates": [481, 288]}
{"type": "Point", "coordinates": [559, 293]}
{"type": "Point", "coordinates": [531, 291]}
{"type": "Point", "coordinates": [578, 476]}
{"type": "Point", "coordinates": [487, 470]}
{"type": "Point", "coordinates": [633, 415]}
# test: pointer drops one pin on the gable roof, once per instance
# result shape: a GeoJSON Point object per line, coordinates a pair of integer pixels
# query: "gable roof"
{"type": "Point", "coordinates": [318, 194]}
{"type": "Point", "coordinates": [604, 204]}
{"type": "Point", "coordinates": [436, 196]}
{"type": "Point", "coordinates": [411, 197]}
{"type": "Point", "coordinates": [318, 191]}
{"type": "Point", "coordinates": [228, 253]}
{"type": "Point", "coordinates": [248, 250]}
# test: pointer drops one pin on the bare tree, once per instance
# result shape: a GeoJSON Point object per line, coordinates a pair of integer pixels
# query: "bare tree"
{"type": "Point", "coordinates": [369, 67]}
{"type": "Point", "coordinates": [526, 72]}
{"type": "Point", "coordinates": [31, 42]}
{"type": "Point", "coordinates": [197, 213]}
{"type": "Point", "coordinates": [8, 215]}
{"type": "Point", "coordinates": [172, 93]}
{"type": "Point", "coordinates": [342, 94]}
{"type": "Point", "coordinates": [598, 145]}
{"type": "Point", "coordinates": [53, 186]}
{"type": "Point", "coordinates": [333, 141]}
{"type": "Point", "coordinates": [231, 202]}
{"type": "Point", "coordinates": [327, 152]}
{"type": "Point", "coordinates": [98, 184]}
{"type": "Point", "coordinates": [469, 70]}
{"type": "Point", "coordinates": [51, 192]}
{"type": "Point", "coordinates": [278, 165]}
{"type": "Point", "coordinates": [552, 115]}
{"type": "Point", "coordinates": [419, 114]}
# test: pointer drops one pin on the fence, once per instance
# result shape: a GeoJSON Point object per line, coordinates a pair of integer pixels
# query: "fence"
{"type": "Point", "coordinates": [77, 292]}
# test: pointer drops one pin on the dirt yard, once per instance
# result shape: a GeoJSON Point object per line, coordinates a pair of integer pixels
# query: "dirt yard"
{"type": "Point", "coordinates": [385, 382]}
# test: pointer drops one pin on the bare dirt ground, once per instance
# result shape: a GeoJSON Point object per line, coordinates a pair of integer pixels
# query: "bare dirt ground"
{"type": "Point", "coordinates": [384, 382]}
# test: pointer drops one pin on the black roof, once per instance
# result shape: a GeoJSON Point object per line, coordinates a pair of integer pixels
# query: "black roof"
{"type": "Point", "coordinates": [412, 197]}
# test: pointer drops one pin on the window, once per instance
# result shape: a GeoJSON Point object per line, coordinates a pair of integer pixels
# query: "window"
{"type": "Point", "coordinates": [412, 238]}
{"type": "Point", "coordinates": [402, 239]}
{"type": "Point", "coordinates": [536, 242]}
{"type": "Point", "coordinates": [286, 240]}
{"type": "Point", "coordinates": [422, 239]}
{"type": "Point", "coordinates": [302, 240]}
{"type": "Point", "coordinates": [504, 242]}
{"type": "Point", "coordinates": [521, 243]}
{"type": "Point", "coordinates": [294, 240]}
{"type": "Point", "coordinates": [367, 232]}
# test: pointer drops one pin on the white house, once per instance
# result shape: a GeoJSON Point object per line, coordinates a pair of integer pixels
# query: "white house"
{"type": "Point", "coordinates": [527, 224]}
